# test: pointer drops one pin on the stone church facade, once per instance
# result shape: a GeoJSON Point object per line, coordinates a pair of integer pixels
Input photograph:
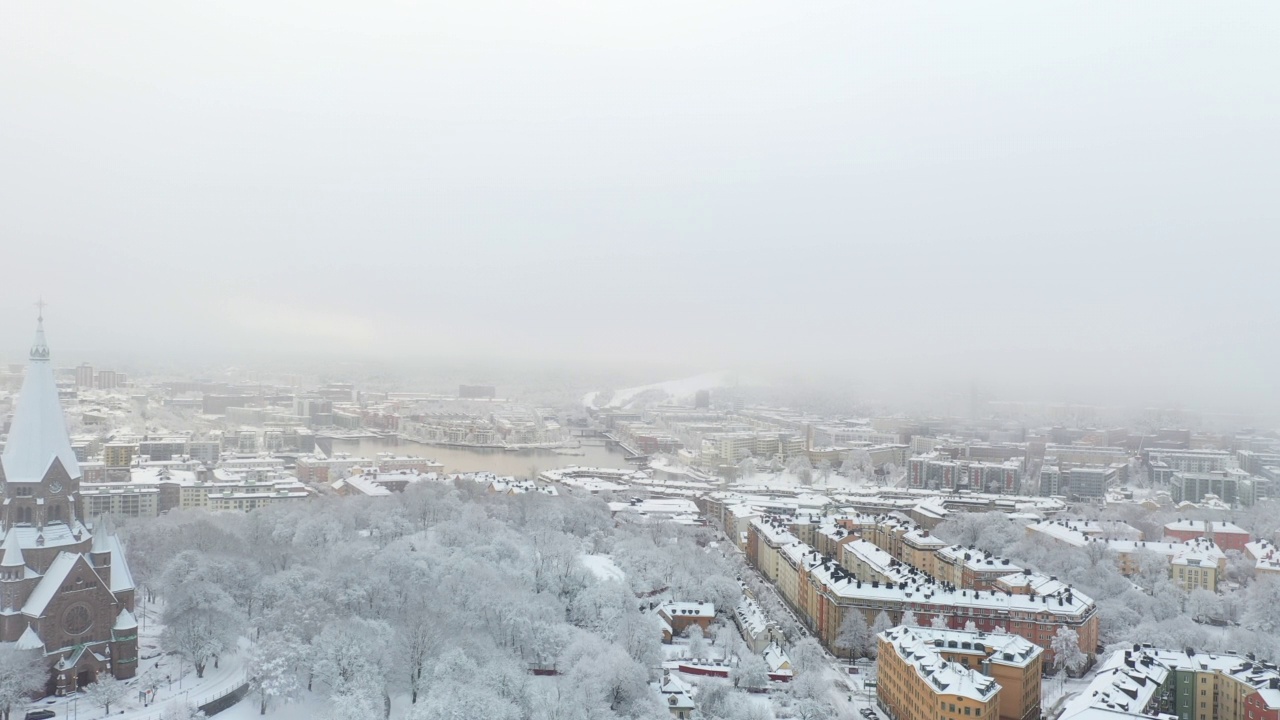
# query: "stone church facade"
{"type": "Point", "coordinates": [64, 590]}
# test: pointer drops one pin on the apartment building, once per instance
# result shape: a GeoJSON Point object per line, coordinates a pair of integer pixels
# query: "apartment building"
{"type": "Point", "coordinates": [939, 471]}
{"type": "Point", "coordinates": [118, 454]}
{"type": "Point", "coordinates": [821, 591]}
{"type": "Point", "coordinates": [1146, 682]}
{"type": "Point", "coordinates": [1192, 564]}
{"type": "Point", "coordinates": [1233, 487]}
{"type": "Point", "coordinates": [1266, 557]}
{"type": "Point", "coordinates": [1192, 461]}
{"type": "Point", "coordinates": [933, 673]}
{"type": "Point", "coordinates": [971, 568]}
{"type": "Point", "coordinates": [1225, 535]}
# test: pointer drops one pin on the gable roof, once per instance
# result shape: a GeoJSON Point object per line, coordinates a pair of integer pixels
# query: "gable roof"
{"type": "Point", "coordinates": [121, 576]}
{"type": "Point", "coordinates": [49, 584]}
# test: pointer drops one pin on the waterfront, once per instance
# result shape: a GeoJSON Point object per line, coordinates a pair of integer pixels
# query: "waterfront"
{"type": "Point", "coordinates": [502, 462]}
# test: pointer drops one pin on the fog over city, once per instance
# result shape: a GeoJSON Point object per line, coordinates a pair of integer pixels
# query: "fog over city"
{"type": "Point", "coordinates": [701, 360]}
{"type": "Point", "coordinates": [1048, 201]}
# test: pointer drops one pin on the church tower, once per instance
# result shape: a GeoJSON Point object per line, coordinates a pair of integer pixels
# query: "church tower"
{"type": "Point", "coordinates": [63, 590]}
{"type": "Point", "coordinates": [39, 475]}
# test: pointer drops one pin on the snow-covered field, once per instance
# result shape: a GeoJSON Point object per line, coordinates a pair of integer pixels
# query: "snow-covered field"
{"type": "Point", "coordinates": [672, 389]}
{"type": "Point", "coordinates": [603, 567]}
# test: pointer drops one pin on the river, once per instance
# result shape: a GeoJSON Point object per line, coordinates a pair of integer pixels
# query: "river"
{"type": "Point", "coordinates": [502, 462]}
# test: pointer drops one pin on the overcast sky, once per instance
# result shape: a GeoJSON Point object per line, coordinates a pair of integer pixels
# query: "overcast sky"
{"type": "Point", "coordinates": [1045, 198]}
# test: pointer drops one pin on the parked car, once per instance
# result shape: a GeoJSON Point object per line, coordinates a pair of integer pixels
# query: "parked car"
{"type": "Point", "coordinates": [40, 715]}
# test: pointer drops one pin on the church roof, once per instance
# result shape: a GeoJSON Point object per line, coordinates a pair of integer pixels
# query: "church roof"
{"type": "Point", "coordinates": [121, 577]}
{"type": "Point", "coordinates": [100, 541]}
{"type": "Point", "coordinates": [30, 640]}
{"type": "Point", "coordinates": [38, 433]}
{"type": "Point", "coordinates": [126, 621]}
{"type": "Point", "coordinates": [12, 550]}
{"type": "Point", "coordinates": [49, 584]}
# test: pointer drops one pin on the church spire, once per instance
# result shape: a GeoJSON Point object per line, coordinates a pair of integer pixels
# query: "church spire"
{"type": "Point", "coordinates": [39, 348]}
{"type": "Point", "coordinates": [38, 434]}
{"type": "Point", "coordinates": [12, 550]}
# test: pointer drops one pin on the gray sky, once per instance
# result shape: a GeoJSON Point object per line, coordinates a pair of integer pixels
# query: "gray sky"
{"type": "Point", "coordinates": [1063, 199]}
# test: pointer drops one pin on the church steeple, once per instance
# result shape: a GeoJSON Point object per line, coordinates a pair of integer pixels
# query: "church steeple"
{"type": "Point", "coordinates": [40, 477]}
{"type": "Point", "coordinates": [38, 434]}
{"type": "Point", "coordinates": [39, 348]}
{"type": "Point", "coordinates": [12, 560]}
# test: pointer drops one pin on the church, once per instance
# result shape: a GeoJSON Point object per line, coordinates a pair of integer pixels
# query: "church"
{"type": "Point", "coordinates": [64, 590]}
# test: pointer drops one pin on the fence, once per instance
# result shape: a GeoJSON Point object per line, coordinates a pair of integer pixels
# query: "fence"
{"type": "Point", "coordinates": [211, 704]}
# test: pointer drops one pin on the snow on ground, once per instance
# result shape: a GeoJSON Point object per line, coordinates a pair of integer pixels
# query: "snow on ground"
{"type": "Point", "coordinates": [673, 389]}
{"type": "Point", "coordinates": [603, 567]}
{"type": "Point", "coordinates": [308, 707]}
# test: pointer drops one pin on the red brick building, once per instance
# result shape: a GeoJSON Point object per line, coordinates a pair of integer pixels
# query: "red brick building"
{"type": "Point", "coordinates": [1225, 535]}
{"type": "Point", "coordinates": [64, 591]}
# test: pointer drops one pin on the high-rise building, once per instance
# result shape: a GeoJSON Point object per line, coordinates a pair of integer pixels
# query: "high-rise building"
{"type": "Point", "coordinates": [84, 375]}
{"type": "Point", "coordinates": [108, 380]}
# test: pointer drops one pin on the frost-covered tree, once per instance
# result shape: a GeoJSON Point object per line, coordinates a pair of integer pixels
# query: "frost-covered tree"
{"type": "Point", "coordinates": [800, 466]}
{"type": "Point", "coordinates": [1203, 604]}
{"type": "Point", "coordinates": [105, 692]}
{"type": "Point", "coordinates": [807, 655]}
{"type": "Point", "coordinates": [22, 673]}
{"type": "Point", "coordinates": [697, 643]}
{"type": "Point", "coordinates": [1261, 616]}
{"type": "Point", "coordinates": [882, 623]}
{"type": "Point", "coordinates": [607, 680]}
{"type": "Point", "coordinates": [201, 619]}
{"type": "Point", "coordinates": [272, 668]}
{"type": "Point", "coordinates": [348, 655]}
{"type": "Point", "coordinates": [854, 637]}
{"type": "Point", "coordinates": [909, 619]}
{"type": "Point", "coordinates": [752, 673]}
{"type": "Point", "coordinates": [1066, 650]}
{"type": "Point", "coordinates": [938, 622]}
{"type": "Point", "coordinates": [824, 470]}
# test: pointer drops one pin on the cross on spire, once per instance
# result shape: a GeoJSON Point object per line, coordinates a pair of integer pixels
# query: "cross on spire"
{"type": "Point", "coordinates": [40, 309]}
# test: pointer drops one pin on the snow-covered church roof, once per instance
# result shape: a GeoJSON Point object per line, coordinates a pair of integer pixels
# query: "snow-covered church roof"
{"type": "Point", "coordinates": [125, 621]}
{"type": "Point", "coordinates": [30, 640]}
{"type": "Point", "coordinates": [38, 433]}
{"type": "Point", "coordinates": [12, 551]}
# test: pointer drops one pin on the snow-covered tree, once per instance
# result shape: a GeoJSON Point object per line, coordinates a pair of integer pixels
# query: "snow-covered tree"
{"type": "Point", "coordinates": [881, 623]}
{"type": "Point", "coordinates": [22, 672]}
{"type": "Point", "coordinates": [800, 466]}
{"type": "Point", "coordinates": [939, 622]}
{"type": "Point", "coordinates": [824, 470]}
{"type": "Point", "coordinates": [1066, 650]}
{"type": "Point", "coordinates": [105, 692]}
{"type": "Point", "coordinates": [807, 655]}
{"type": "Point", "coordinates": [854, 637]}
{"type": "Point", "coordinates": [201, 619]}
{"type": "Point", "coordinates": [349, 655]}
{"type": "Point", "coordinates": [752, 673]}
{"type": "Point", "coordinates": [971, 626]}
{"type": "Point", "coordinates": [1261, 616]}
{"type": "Point", "coordinates": [272, 668]}
{"type": "Point", "coordinates": [909, 619]}
{"type": "Point", "coordinates": [697, 643]}
{"type": "Point", "coordinates": [1203, 604]}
